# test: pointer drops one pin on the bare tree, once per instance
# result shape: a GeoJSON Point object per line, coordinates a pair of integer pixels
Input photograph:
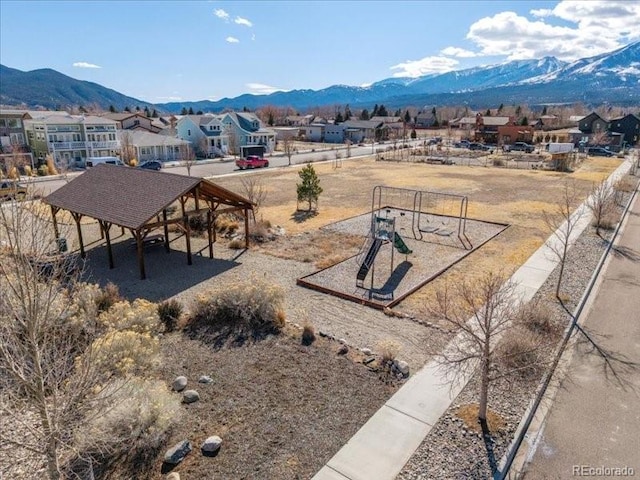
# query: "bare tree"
{"type": "Point", "coordinates": [601, 203]}
{"type": "Point", "coordinates": [288, 147]}
{"type": "Point", "coordinates": [203, 147]}
{"type": "Point", "coordinates": [233, 140]}
{"type": "Point", "coordinates": [127, 149]}
{"type": "Point", "coordinates": [561, 223]}
{"type": "Point", "coordinates": [255, 191]}
{"type": "Point", "coordinates": [188, 156]}
{"type": "Point", "coordinates": [481, 310]}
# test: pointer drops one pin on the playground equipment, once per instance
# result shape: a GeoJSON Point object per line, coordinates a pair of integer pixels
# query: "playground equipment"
{"type": "Point", "coordinates": [440, 214]}
{"type": "Point", "coordinates": [383, 230]}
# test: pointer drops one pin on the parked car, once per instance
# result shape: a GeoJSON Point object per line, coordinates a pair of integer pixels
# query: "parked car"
{"type": "Point", "coordinates": [479, 146]}
{"type": "Point", "coordinates": [10, 190]}
{"type": "Point", "coordinates": [252, 161]}
{"type": "Point", "coordinates": [151, 165]}
{"type": "Point", "coordinates": [599, 152]}
{"type": "Point", "coordinates": [462, 144]}
{"type": "Point", "coordinates": [519, 147]}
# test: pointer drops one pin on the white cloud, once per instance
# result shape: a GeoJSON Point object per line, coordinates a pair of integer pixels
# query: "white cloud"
{"type": "Point", "coordinates": [243, 21]}
{"type": "Point", "coordinates": [458, 52]}
{"type": "Point", "coordinates": [232, 40]}
{"type": "Point", "coordinates": [594, 27]}
{"type": "Point", "coordinates": [262, 89]}
{"type": "Point", "coordinates": [253, 37]}
{"type": "Point", "coordinates": [220, 13]}
{"type": "Point", "coordinates": [417, 68]}
{"type": "Point", "coordinates": [169, 99]}
{"type": "Point", "coordinates": [86, 65]}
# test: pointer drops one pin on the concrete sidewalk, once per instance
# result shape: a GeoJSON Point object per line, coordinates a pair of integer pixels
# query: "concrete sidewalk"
{"type": "Point", "coordinates": [380, 449]}
{"type": "Point", "coordinates": [594, 423]}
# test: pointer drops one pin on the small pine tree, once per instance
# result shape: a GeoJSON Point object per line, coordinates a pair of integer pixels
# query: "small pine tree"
{"type": "Point", "coordinates": [347, 113]}
{"type": "Point", "coordinates": [382, 111]}
{"type": "Point", "coordinates": [137, 108]}
{"type": "Point", "coordinates": [397, 113]}
{"type": "Point", "coordinates": [270, 120]}
{"type": "Point", "coordinates": [518, 110]}
{"type": "Point", "coordinates": [309, 190]}
{"type": "Point", "coordinates": [146, 111]}
{"type": "Point", "coordinates": [407, 117]}
{"type": "Point", "coordinates": [191, 111]}
{"type": "Point", "coordinates": [500, 108]}
{"type": "Point", "coordinates": [544, 110]}
{"type": "Point", "coordinates": [525, 121]}
{"type": "Point", "coordinates": [184, 111]}
{"type": "Point", "coordinates": [375, 110]}
{"type": "Point", "coordinates": [112, 109]}
{"type": "Point", "coordinates": [364, 114]}
{"type": "Point", "coordinates": [488, 113]}
{"type": "Point", "coordinates": [338, 118]}
{"type": "Point", "coordinates": [127, 109]}
{"type": "Point", "coordinates": [199, 112]}
{"type": "Point", "coordinates": [154, 114]}
{"type": "Point", "coordinates": [414, 135]}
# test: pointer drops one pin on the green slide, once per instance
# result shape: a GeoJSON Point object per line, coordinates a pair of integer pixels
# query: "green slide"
{"type": "Point", "coordinates": [400, 245]}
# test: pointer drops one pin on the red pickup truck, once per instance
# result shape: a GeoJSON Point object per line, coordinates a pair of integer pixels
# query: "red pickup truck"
{"type": "Point", "coordinates": [252, 161]}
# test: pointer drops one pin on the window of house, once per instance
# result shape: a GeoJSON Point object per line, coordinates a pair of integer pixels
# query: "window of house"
{"type": "Point", "coordinates": [3, 122]}
{"type": "Point", "coordinates": [13, 122]}
{"type": "Point", "coordinates": [189, 133]}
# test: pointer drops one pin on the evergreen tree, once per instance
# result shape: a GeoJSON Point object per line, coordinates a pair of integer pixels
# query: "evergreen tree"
{"type": "Point", "coordinates": [407, 117]}
{"type": "Point", "coordinates": [81, 109]}
{"type": "Point", "coordinates": [199, 112]}
{"type": "Point", "coordinates": [184, 111]}
{"type": "Point", "coordinates": [375, 110]}
{"type": "Point", "coordinates": [112, 109]}
{"type": "Point", "coordinates": [364, 114]}
{"type": "Point", "coordinates": [338, 118]}
{"type": "Point", "coordinates": [488, 114]}
{"type": "Point", "coordinates": [146, 111]}
{"type": "Point", "coordinates": [414, 135]}
{"type": "Point", "coordinates": [154, 114]}
{"type": "Point", "coordinates": [382, 111]}
{"type": "Point", "coordinates": [137, 108]}
{"type": "Point", "coordinates": [127, 109]}
{"type": "Point", "coordinates": [270, 120]}
{"type": "Point", "coordinates": [398, 113]}
{"type": "Point", "coordinates": [190, 111]}
{"type": "Point", "coordinates": [347, 113]}
{"type": "Point", "coordinates": [245, 109]}
{"type": "Point", "coordinates": [544, 110]}
{"type": "Point", "coordinates": [500, 108]}
{"type": "Point", "coordinates": [518, 111]}
{"type": "Point", "coordinates": [433, 112]}
{"type": "Point", "coordinates": [309, 190]}
{"type": "Point", "coordinates": [525, 121]}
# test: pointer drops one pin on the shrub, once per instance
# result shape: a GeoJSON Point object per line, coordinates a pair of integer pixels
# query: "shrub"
{"type": "Point", "coordinates": [141, 416]}
{"type": "Point", "coordinates": [43, 171]}
{"type": "Point", "coordinates": [518, 353]}
{"type": "Point", "coordinates": [141, 317]}
{"type": "Point", "coordinates": [198, 223]}
{"type": "Point", "coordinates": [308, 334]}
{"type": "Point", "coordinates": [260, 231]}
{"type": "Point", "coordinates": [498, 162]}
{"type": "Point", "coordinates": [537, 318]}
{"type": "Point", "coordinates": [251, 307]}
{"type": "Point", "coordinates": [236, 244]}
{"type": "Point", "coordinates": [108, 296]}
{"type": "Point", "coordinates": [226, 223]}
{"type": "Point", "coordinates": [388, 351]}
{"type": "Point", "coordinates": [123, 353]}
{"type": "Point", "coordinates": [170, 312]}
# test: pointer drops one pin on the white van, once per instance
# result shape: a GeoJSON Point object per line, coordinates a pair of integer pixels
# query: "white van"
{"type": "Point", "coordinates": [93, 161]}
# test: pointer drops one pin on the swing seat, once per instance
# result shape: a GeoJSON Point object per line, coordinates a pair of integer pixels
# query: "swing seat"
{"type": "Point", "coordinates": [444, 233]}
{"type": "Point", "coordinates": [429, 230]}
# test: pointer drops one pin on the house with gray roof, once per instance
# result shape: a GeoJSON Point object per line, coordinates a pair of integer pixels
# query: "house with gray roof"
{"type": "Point", "coordinates": [357, 131]}
{"type": "Point", "coordinates": [147, 146]}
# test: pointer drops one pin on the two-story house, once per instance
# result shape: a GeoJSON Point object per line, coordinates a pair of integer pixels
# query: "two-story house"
{"type": "Point", "coordinates": [628, 126]}
{"type": "Point", "coordinates": [133, 121]}
{"type": "Point", "coordinates": [70, 139]}
{"type": "Point", "coordinates": [592, 124]}
{"type": "Point", "coordinates": [357, 131]}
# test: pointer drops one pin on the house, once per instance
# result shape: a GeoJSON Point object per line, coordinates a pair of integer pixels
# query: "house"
{"type": "Point", "coordinates": [314, 132]}
{"type": "Point", "coordinates": [593, 124]}
{"type": "Point", "coordinates": [356, 131]}
{"type": "Point", "coordinates": [550, 121]}
{"type": "Point", "coordinates": [12, 133]}
{"type": "Point", "coordinates": [386, 119]}
{"type": "Point", "coordinates": [509, 134]}
{"type": "Point", "coordinates": [145, 146]}
{"type": "Point", "coordinates": [628, 126]}
{"type": "Point", "coordinates": [133, 121]}
{"type": "Point", "coordinates": [486, 128]}
{"type": "Point", "coordinates": [299, 120]}
{"type": "Point", "coordinates": [334, 133]}
{"type": "Point", "coordinates": [425, 120]}
{"type": "Point", "coordinates": [245, 129]}
{"type": "Point", "coordinates": [285, 133]}
{"type": "Point", "coordinates": [71, 138]}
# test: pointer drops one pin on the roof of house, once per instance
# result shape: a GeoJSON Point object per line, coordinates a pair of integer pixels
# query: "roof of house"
{"type": "Point", "coordinates": [385, 119]}
{"type": "Point", "coordinates": [360, 124]}
{"type": "Point", "coordinates": [130, 197]}
{"type": "Point", "coordinates": [576, 118]}
{"type": "Point", "coordinates": [118, 117]}
{"type": "Point", "coordinates": [145, 138]}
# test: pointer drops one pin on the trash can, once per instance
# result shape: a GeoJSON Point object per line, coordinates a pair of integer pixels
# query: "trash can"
{"type": "Point", "coordinates": [62, 245]}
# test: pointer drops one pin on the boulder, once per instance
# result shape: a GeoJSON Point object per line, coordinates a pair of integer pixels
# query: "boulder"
{"type": "Point", "coordinates": [205, 379]}
{"type": "Point", "coordinates": [173, 476]}
{"type": "Point", "coordinates": [366, 351]}
{"type": "Point", "coordinates": [343, 350]}
{"type": "Point", "coordinates": [211, 446]}
{"type": "Point", "coordinates": [402, 367]}
{"type": "Point", "coordinates": [190, 396]}
{"type": "Point", "coordinates": [179, 383]}
{"type": "Point", "coordinates": [177, 453]}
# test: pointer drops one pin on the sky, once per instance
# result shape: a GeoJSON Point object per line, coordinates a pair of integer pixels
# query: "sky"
{"type": "Point", "coordinates": [207, 50]}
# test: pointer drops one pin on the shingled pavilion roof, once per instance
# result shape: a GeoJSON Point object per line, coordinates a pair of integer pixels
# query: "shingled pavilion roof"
{"type": "Point", "coordinates": [134, 198]}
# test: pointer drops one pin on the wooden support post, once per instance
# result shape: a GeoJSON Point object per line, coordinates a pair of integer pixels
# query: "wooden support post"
{"type": "Point", "coordinates": [105, 227]}
{"type": "Point", "coordinates": [121, 231]}
{"type": "Point", "coordinates": [182, 202]}
{"type": "Point", "coordinates": [187, 231]}
{"type": "Point", "coordinates": [209, 234]}
{"type": "Point", "coordinates": [196, 198]}
{"type": "Point", "coordinates": [246, 228]}
{"type": "Point", "coordinates": [77, 217]}
{"type": "Point", "coordinates": [140, 250]}
{"type": "Point", "coordinates": [56, 231]}
{"type": "Point", "coordinates": [101, 230]}
{"type": "Point", "coordinates": [166, 231]}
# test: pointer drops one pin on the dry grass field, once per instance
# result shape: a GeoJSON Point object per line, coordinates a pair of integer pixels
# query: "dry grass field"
{"type": "Point", "coordinates": [515, 197]}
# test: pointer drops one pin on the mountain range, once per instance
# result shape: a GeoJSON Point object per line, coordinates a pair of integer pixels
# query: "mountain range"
{"type": "Point", "coordinates": [613, 77]}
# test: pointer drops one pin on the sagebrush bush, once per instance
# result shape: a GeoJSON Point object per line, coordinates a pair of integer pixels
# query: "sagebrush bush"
{"type": "Point", "coordinates": [198, 223]}
{"type": "Point", "coordinates": [236, 244]}
{"type": "Point", "coordinates": [537, 318]}
{"type": "Point", "coordinates": [251, 308]}
{"type": "Point", "coordinates": [170, 312]}
{"type": "Point", "coordinates": [388, 351]}
{"type": "Point", "coordinates": [226, 223]}
{"type": "Point", "coordinates": [142, 413]}
{"type": "Point", "coordinates": [308, 334]}
{"type": "Point", "coordinates": [109, 295]}
{"type": "Point", "coordinates": [141, 316]}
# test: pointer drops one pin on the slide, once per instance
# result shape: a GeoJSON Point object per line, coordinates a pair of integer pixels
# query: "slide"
{"type": "Point", "coordinates": [400, 245]}
{"type": "Point", "coordinates": [368, 261]}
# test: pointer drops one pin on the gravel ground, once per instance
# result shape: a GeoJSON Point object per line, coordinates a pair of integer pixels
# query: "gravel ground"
{"type": "Point", "coordinates": [453, 451]}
